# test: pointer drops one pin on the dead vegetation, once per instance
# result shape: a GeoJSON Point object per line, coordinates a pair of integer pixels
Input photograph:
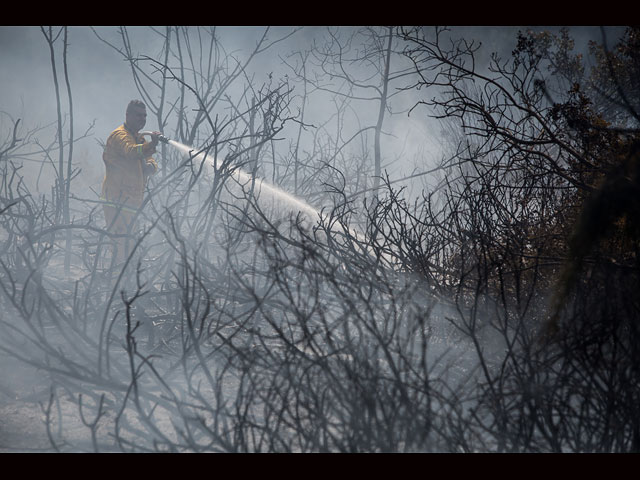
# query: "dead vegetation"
{"type": "Point", "coordinates": [235, 326]}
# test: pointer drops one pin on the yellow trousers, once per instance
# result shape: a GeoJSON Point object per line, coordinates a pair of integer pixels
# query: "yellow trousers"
{"type": "Point", "coordinates": [121, 221]}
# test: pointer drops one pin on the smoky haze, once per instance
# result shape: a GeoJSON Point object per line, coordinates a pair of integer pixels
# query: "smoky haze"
{"type": "Point", "coordinates": [102, 85]}
{"type": "Point", "coordinates": [337, 252]}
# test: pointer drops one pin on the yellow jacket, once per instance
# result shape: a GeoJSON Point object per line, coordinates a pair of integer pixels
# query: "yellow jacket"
{"type": "Point", "coordinates": [125, 156]}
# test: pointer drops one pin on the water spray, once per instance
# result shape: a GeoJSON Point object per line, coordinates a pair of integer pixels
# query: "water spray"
{"type": "Point", "coordinates": [262, 186]}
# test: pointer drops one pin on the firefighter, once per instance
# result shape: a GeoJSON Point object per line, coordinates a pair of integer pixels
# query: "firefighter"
{"type": "Point", "coordinates": [129, 164]}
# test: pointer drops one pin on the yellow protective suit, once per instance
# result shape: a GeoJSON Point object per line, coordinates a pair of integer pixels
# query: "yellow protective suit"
{"type": "Point", "coordinates": [128, 162]}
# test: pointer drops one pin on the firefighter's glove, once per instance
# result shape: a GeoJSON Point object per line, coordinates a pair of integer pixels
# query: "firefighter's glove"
{"type": "Point", "coordinates": [149, 169]}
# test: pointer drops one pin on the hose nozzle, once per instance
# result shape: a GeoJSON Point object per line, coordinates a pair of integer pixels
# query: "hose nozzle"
{"type": "Point", "coordinates": [161, 138]}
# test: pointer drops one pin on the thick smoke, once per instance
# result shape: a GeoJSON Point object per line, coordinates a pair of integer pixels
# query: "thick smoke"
{"type": "Point", "coordinates": [273, 301]}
